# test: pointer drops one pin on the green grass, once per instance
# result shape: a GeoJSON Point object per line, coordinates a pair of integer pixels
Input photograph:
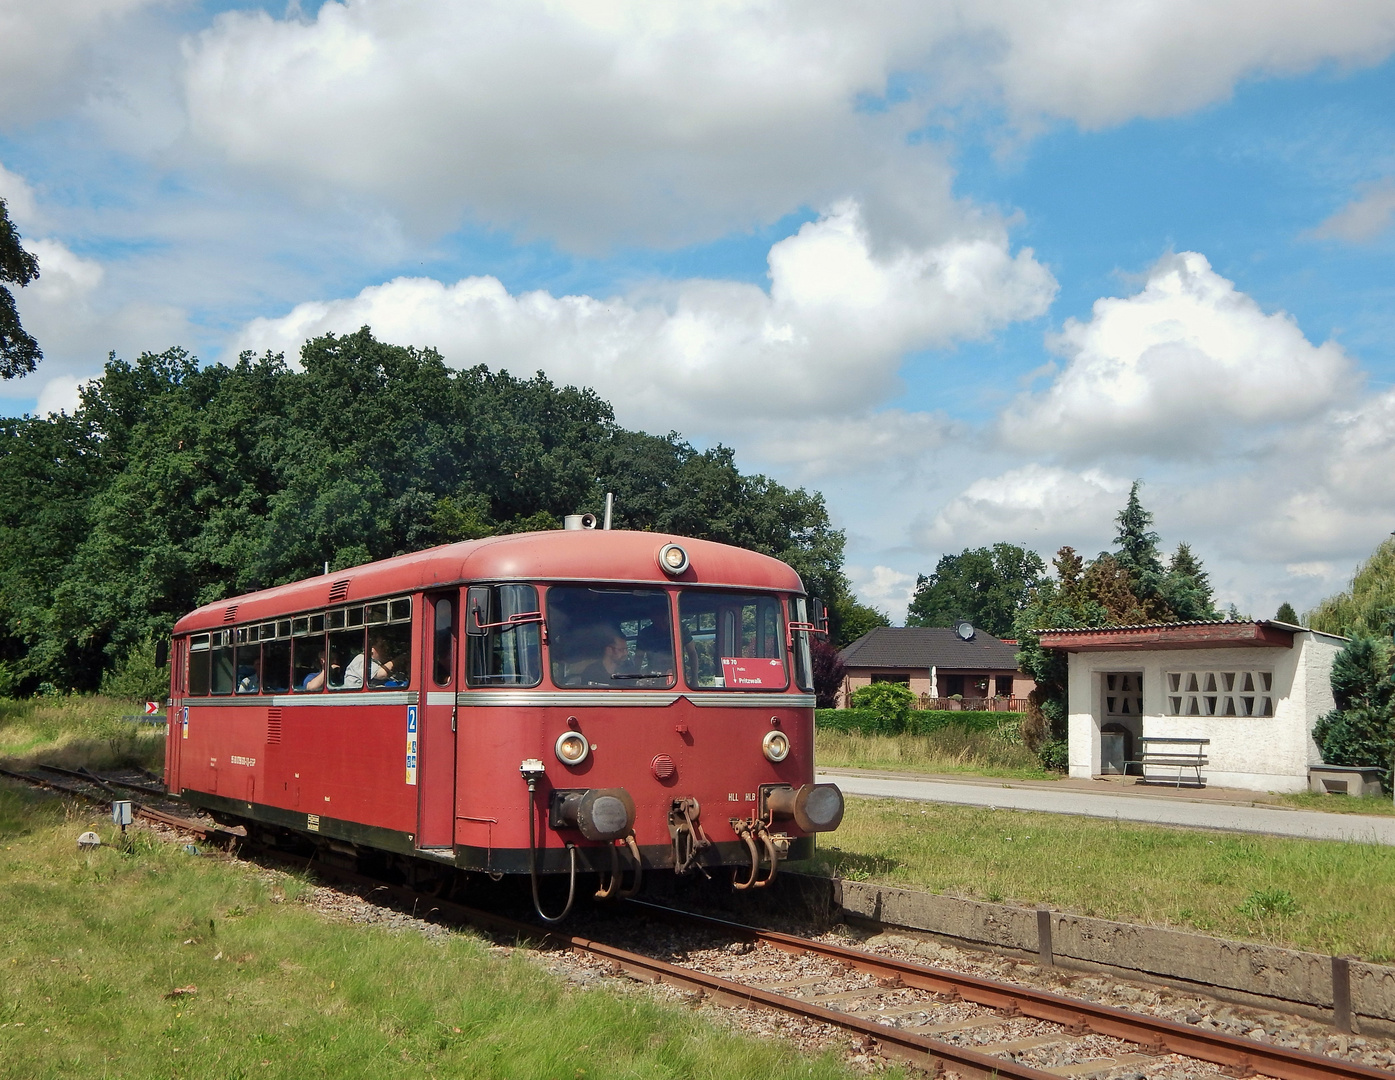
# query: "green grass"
{"type": "Point", "coordinates": [78, 729]}
{"type": "Point", "coordinates": [94, 945]}
{"type": "Point", "coordinates": [1325, 896]}
{"type": "Point", "coordinates": [1341, 804]}
{"type": "Point", "coordinates": [949, 750]}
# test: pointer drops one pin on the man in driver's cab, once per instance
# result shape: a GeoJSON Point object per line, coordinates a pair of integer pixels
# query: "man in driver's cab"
{"type": "Point", "coordinates": [614, 653]}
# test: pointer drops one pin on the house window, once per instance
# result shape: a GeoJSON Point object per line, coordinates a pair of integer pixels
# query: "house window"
{"type": "Point", "coordinates": [951, 685]}
{"type": "Point", "coordinates": [1220, 693]}
{"type": "Point", "coordinates": [1004, 686]}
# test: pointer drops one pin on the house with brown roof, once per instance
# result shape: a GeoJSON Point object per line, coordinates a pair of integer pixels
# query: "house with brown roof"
{"type": "Point", "coordinates": [960, 667]}
{"type": "Point", "coordinates": [1227, 703]}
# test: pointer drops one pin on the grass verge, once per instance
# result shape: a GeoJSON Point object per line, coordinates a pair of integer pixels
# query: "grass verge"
{"type": "Point", "coordinates": [1325, 896]}
{"type": "Point", "coordinates": [152, 962]}
{"type": "Point", "coordinates": [78, 729]}
{"type": "Point", "coordinates": [948, 750]}
{"type": "Point", "coordinates": [1341, 804]}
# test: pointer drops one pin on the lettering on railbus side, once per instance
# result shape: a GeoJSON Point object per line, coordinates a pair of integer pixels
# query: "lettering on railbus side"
{"type": "Point", "coordinates": [312, 822]}
{"type": "Point", "coordinates": [411, 744]}
{"type": "Point", "coordinates": [238, 759]}
{"type": "Point", "coordinates": [733, 797]}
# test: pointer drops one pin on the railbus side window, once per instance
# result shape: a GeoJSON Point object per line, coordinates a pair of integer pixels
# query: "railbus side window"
{"type": "Point", "coordinates": [199, 657]}
{"type": "Point", "coordinates": [308, 667]}
{"type": "Point", "coordinates": [222, 663]}
{"type": "Point", "coordinates": [276, 663]}
{"type": "Point", "coordinates": [508, 654]}
{"type": "Point", "coordinates": [247, 665]}
{"type": "Point", "coordinates": [732, 642]}
{"type": "Point", "coordinates": [346, 656]}
{"type": "Point", "coordinates": [443, 641]}
{"type": "Point", "coordinates": [389, 661]}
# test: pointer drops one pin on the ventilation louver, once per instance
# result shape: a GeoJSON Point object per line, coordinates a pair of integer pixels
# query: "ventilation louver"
{"type": "Point", "coordinates": [273, 726]}
{"type": "Point", "coordinates": [230, 614]}
{"type": "Point", "coordinates": [338, 591]}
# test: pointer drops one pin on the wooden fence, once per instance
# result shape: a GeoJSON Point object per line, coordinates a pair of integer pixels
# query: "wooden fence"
{"type": "Point", "coordinates": [983, 704]}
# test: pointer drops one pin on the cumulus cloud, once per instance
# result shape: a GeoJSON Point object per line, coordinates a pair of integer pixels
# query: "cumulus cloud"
{"type": "Point", "coordinates": [1099, 62]}
{"type": "Point", "coordinates": [1364, 218]}
{"type": "Point", "coordinates": [826, 339]}
{"type": "Point", "coordinates": [883, 588]}
{"type": "Point", "coordinates": [1169, 370]}
{"type": "Point", "coordinates": [19, 198]}
{"type": "Point", "coordinates": [628, 121]}
{"type": "Point", "coordinates": [1032, 501]}
{"type": "Point", "coordinates": [76, 321]}
{"type": "Point", "coordinates": [47, 52]}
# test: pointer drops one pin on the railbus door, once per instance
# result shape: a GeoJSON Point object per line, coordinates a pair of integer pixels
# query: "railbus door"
{"type": "Point", "coordinates": [435, 765]}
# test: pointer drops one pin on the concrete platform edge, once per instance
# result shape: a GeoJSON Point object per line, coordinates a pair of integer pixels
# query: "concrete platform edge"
{"type": "Point", "coordinates": [1246, 972]}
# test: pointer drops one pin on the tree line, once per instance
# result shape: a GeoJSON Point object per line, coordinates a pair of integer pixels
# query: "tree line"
{"type": "Point", "coordinates": [1006, 590]}
{"type": "Point", "coordinates": [174, 484]}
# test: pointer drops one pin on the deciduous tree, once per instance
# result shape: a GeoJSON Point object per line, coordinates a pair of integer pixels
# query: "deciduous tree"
{"type": "Point", "coordinates": [19, 353]}
{"type": "Point", "coordinates": [987, 586]}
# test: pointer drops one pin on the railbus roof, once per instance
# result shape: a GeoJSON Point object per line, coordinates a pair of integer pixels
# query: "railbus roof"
{"type": "Point", "coordinates": [557, 555]}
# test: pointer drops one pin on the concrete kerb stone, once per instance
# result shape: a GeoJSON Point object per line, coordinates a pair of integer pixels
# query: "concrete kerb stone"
{"type": "Point", "coordinates": [1248, 972]}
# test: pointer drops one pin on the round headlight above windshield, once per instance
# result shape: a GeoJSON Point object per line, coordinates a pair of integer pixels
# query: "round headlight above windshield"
{"type": "Point", "coordinates": [673, 559]}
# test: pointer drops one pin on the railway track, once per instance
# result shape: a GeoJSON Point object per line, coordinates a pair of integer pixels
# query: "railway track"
{"type": "Point", "coordinates": [86, 785]}
{"type": "Point", "coordinates": [942, 1021]}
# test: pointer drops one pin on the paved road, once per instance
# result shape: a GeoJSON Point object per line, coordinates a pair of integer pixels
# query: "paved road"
{"type": "Point", "coordinates": [1312, 825]}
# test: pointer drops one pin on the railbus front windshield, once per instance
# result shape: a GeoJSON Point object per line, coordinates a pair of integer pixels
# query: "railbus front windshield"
{"type": "Point", "coordinates": [610, 638]}
{"type": "Point", "coordinates": [732, 641]}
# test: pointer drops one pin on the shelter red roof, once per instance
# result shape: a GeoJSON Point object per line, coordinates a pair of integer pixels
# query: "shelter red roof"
{"type": "Point", "coordinates": [1178, 635]}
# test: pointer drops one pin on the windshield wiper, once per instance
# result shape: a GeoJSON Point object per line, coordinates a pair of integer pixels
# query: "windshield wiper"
{"type": "Point", "coordinates": [644, 675]}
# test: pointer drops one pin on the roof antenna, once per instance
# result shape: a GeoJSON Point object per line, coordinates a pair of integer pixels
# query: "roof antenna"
{"type": "Point", "coordinates": [326, 568]}
{"type": "Point", "coordinates": [609, 506]}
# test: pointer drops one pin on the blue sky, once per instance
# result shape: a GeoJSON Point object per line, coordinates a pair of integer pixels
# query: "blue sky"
{"type": "Point", "coordinates": [968, 269]}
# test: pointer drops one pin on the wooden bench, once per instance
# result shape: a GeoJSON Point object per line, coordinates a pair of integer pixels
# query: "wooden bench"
{"type": "Point", "coordinates": [1156, 752]}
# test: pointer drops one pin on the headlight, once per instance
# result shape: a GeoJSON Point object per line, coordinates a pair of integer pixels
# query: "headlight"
{"type": "Point", "coordinates": [673, 559]}
{"type": "Point", "coordinates": [776, 745]}
{"type": "Point", "coordinates": [572, 748]}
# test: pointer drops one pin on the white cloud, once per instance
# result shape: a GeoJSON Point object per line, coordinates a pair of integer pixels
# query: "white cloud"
{"type": "Point", "coordinates": [47, 52]}
{"type": "Point", "coordinates": [1172, 369]}
{"type": "Point", "coordinates": [59, 394]}
{"type": "Point", "coordinates": [884, 588]}
{"type": "Point", "coordinates": [1365, 217]}
{"type": "Point", "coordinates": [1100, 62]}
{"type": "Point", "coordinates": [593, 123]}
{"type": "Point", "coordinates": [70, 311]}
{"type": "Point", "coordinates": [19, 198]}
{"type": "Point", "coordinates": [1040, 505]}
{"type": "Point", "coordinates": [705, 355]}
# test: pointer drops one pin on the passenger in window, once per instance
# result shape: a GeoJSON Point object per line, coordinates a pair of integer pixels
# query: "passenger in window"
{"type": "Point", "coordinates": [315, 680]}
{"type": "Point", "coordinates": [379, 667]}
{"type": "Point", "coordinates": [249, 676]}
{"type": "Point", "coordinates": [609, 652]}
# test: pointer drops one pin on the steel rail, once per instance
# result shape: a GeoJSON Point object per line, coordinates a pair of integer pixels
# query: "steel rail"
{"type": "Point", "coordinates": [930, 1054]}
{"type": "Point", "coordinates": [105, 781]}
{"type": "Point", "coordinates": [1154, 1034]}
{"type": "Point", "coordinates": [197, 828]}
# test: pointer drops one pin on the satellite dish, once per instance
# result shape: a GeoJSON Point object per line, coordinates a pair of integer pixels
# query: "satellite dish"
{"type": "Point", "coordinates": [965, 630]}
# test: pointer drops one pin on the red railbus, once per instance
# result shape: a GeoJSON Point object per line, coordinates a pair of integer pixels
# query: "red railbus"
{"type": "Point", "coordinates": [565, 702]}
